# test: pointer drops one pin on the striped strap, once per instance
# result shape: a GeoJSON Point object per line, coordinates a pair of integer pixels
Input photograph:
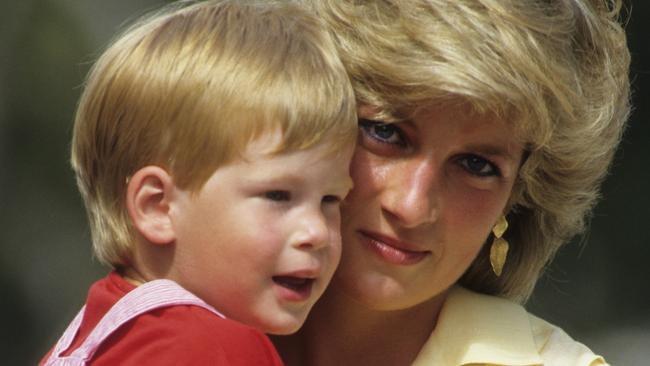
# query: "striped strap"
{"type": "Point", "coordinates": [149, 296]}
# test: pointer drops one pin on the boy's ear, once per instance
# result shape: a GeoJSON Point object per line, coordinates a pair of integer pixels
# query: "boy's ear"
{"type": "Point", "coordinates": [147, 200]}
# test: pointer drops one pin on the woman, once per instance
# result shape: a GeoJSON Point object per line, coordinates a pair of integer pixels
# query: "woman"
{"type": "Point", "coordinates": [486, 128]}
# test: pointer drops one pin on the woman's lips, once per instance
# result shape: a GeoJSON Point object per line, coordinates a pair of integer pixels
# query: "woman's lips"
{"type": "Point", "coordinates": [390, 250]}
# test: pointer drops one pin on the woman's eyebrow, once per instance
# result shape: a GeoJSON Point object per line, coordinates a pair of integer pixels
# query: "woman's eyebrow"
{"type": "Point", "coordinates": [495, 150]}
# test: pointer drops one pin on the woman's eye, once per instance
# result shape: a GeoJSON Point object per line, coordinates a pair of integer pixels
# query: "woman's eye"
{"type": "Point", "coordinates": [277, 195]}
{"type": "Point", "coordinates": [479, 166]}
{"type": "Point", "coordinates": [387, 133]}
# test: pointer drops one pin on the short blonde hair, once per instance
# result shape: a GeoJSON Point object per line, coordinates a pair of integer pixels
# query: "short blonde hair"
{"type": "Point", "coordinates": [187, 89]}
{"type": "Point", "coordinates": [557, 70]}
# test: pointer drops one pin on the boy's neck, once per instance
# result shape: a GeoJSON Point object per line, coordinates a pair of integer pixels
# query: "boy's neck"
{"type": "Point", "coordinates": [132, 276]}
{"type": "Point", "coordinates": [341, 331]}
{"type": "Point", "coordinates": [148, 262]}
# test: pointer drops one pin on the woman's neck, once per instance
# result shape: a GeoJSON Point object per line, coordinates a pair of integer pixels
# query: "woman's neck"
{"type": "Point", "coordinates": [341, 331]}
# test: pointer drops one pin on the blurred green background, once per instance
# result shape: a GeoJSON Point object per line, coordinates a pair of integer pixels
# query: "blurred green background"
{"type": "Point", "coordinates": [597, 289]}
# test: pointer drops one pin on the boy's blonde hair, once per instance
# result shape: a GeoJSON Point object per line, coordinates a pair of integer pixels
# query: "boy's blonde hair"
{"type": "Point", "coordinates": [189, 87]}
{"type": "Point", "coordinates": [557, 70]}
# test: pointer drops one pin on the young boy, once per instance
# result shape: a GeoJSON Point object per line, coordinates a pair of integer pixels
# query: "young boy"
{"type": "Point", "coordinates": [211, 147]}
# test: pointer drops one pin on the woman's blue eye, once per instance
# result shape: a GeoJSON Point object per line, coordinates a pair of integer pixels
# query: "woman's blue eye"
{"type": "Point", "coordinates": [383, 132]}
{"type": "Point", "coordinates": [278, 195]}
{"type": "Point", "coordinates": [478, 166]}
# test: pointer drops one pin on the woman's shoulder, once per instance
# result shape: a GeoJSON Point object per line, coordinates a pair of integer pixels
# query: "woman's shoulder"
{"type": "Point", "coordinates": [474, 328]}
{"type": "Point", "coordinates": [558, 348]}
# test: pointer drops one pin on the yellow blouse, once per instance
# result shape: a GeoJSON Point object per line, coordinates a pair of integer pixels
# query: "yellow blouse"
{"type": "Point", "coordinates": [476, 329]}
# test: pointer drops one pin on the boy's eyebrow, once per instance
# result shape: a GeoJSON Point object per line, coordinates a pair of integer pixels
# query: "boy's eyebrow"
{"type": "Point", "coordinates": [283, 178]}
{"type": "Point", "coordinates": [346, 184]}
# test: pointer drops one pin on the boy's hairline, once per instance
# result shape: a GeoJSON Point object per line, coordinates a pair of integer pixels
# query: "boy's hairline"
{"type": "Point", "coordinates": [97, 188]}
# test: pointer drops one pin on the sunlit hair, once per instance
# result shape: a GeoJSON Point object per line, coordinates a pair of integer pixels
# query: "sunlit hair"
{"type": "Point", "coordinates": [188, 88]}
{"type": "Point", "coordinates": [557, 70]}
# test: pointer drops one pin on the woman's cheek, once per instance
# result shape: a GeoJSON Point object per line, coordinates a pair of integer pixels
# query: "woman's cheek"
{"type": "Point", "coordinates": [367, 174]}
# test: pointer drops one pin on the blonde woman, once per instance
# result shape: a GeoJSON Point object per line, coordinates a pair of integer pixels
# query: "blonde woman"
{"type": "Point", "coordinates": [486, 128]}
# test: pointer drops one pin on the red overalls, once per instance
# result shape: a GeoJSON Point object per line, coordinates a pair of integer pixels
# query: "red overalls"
{"type": "Point", "coordinates": [149, 296]}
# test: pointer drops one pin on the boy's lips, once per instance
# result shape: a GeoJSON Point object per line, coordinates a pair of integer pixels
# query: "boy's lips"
{"type": "Point", "coordinates": [295, 287]}
{"type": "Point", "coordinates": [392, 250]}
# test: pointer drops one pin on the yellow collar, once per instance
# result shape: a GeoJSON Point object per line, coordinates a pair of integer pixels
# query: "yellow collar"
{"type": "Point", "coordinates": [474, 328]}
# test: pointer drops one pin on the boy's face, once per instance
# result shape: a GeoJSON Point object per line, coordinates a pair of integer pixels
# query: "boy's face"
{"type": "Point", "coordinates": [261, 240]}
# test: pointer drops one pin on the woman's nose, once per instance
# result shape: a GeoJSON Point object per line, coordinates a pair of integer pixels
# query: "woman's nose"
{"type": "Point", "coordinates": [411, 193]}
{"type": "Point", "coordinates": [312, 231]}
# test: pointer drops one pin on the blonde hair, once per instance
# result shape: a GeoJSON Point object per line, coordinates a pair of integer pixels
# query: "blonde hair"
{"type": "Point", "coordinates": [557, 70]}
{"type": "Point", "coordinates": [187, 89]}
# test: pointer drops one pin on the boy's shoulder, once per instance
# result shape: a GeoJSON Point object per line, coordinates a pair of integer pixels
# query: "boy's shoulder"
{"type": "Point", "coordinates": [186, 334]}
{"type": "Point", "coordinates": [171, 335]}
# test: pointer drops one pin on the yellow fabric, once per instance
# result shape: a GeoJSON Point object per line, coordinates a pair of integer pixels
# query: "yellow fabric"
{"type": "Point", "coordinates": [476, 329]}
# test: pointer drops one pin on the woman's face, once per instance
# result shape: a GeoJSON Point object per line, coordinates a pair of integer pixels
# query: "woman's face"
{"type": "Point", "coordinates": [427, 192]}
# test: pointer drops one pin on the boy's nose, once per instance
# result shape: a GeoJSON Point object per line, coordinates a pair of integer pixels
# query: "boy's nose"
{"type": "Point", "coordinates": [312, 232]}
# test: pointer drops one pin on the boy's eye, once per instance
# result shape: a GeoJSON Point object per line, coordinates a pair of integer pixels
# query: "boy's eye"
{"type": "Point", "coordinates": [387, 133]}
{"type": "Point", "coordinates": [277, 195]}
{"type": "Point", "coordinates": [479, 166]}
{"type": "Point", "coordinates": [330, 198]}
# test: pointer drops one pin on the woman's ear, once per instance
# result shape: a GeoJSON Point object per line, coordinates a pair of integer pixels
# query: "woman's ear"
{"type": "Point", "coordinates": [148, 196]}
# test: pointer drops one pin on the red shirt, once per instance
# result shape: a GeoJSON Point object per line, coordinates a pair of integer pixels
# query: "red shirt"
{"type": "Point", "coordinates": [174, 335]}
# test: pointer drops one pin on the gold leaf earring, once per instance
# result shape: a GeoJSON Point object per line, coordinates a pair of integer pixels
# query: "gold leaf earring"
{"type": "Point", "coordinates": [499, 249]}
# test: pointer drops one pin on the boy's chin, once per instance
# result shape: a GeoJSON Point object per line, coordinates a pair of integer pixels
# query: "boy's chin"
{"type": "Point", "coordinates": [284, 325]}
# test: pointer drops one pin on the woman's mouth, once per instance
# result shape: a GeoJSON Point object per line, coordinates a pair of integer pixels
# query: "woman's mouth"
{"type": "Point", "coordinates": [392, 251]}
{"type": "Point", "coordinates": [294, 288]}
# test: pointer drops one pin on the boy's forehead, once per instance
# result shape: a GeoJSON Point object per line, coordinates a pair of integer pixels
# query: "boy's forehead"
{"type": "Point", "coordinates": [264, 162]}
{"type": "Point", "coordinates": [274, 143]}
{"type": "Point", "coordinates": [267, 143]}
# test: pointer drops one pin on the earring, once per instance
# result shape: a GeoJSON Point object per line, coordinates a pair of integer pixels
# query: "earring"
{"type": "Point", "coordinates": [499, 249]}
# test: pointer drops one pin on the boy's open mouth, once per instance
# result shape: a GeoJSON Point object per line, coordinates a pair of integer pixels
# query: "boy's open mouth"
{"type": "Point", "coordinates": [299, 286]}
